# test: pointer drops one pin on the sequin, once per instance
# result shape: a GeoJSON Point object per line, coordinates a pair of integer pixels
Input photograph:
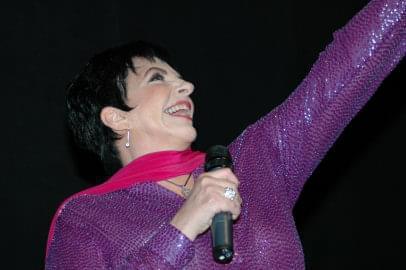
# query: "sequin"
{"type": "Point", "coordinates": [272, 158]}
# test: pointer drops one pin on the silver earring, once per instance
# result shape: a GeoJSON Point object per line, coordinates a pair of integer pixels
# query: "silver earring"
{"type": "Point", "coordinates": [127, 144]}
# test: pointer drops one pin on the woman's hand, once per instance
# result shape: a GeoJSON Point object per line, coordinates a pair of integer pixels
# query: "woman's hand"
{"type": "Point", "coordinates": [207, 199]}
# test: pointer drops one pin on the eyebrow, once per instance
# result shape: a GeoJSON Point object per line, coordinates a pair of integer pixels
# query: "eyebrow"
{"type": "Point", "coordinates": [160, 70]}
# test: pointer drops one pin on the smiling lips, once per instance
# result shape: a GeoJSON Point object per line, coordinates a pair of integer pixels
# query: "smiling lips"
{"type": "Point", "coordinates": [181, 108]}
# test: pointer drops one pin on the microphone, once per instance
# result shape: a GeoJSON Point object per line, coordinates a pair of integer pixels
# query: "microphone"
{"type": "Point", "coordinates": [218, 157]}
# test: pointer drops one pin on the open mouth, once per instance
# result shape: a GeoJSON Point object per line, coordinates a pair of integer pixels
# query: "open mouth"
{"type": "Point", "coordinates": [182, 108]}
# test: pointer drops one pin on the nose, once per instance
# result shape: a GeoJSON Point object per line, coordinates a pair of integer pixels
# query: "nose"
{"type": "Point", "coordinates": [185, 88]}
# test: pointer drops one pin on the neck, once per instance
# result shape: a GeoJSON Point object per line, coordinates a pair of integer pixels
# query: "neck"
{"type": "Point", "coordinates": [136, 150]}
{"type": "Point", "coordinates": [179, 180]}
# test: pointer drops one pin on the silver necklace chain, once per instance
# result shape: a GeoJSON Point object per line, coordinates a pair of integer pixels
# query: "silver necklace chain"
{"type": "Point", "coordinates": [183, 188]}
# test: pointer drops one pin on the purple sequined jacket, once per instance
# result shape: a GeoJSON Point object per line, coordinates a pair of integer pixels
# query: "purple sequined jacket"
{"type": "Point", "coordinates": [129, 229]}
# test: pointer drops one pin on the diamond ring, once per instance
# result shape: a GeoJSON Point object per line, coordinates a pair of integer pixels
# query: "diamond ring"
{"type": "Point", "coordinates": [229, 193]}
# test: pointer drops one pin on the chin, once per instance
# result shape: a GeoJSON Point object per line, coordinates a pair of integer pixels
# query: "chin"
{"type": "Point", "coordinates": [191, 135]}
{"type": "Point", "coordinates": [178, 135]}
{"type": "Point", "coordinates": [187, 135]}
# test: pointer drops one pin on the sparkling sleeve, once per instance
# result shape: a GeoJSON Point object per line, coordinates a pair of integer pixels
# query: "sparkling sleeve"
{"type": "Point", "coordinates": [78, 244]}
{"type": "Point", "coordinates": [167, 249]}
{"type": "Point", "coordinates": [345, 76]}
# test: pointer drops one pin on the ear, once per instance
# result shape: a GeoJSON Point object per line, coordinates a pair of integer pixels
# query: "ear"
{"type": "Point", "coordinates": [114, 118]}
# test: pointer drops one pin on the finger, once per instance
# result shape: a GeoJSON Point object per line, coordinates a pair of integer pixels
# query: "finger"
{"type": "Point", "coordinates": [236, 212]}
{"type": "Point", "coordinates": [235, 216]}
{"type": "Point", "coordinates": [225, 184]}
{"type": "Point", "coordinates": [237, 205]}
{"type": "Point", "coordinates": [229, 203]}
{"type": "Point", "coordinates": [238, 199]}
{"type": "Point", "coordinates": [219, 183]}
{"type": "Point", "coordinates": [224, 173]}
{"type": "Point", "coordinates": [223, 201]}
{"type": "Point", "coordinates": [234, 209]}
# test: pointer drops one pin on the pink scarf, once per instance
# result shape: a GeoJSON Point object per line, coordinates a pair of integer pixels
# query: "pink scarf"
{"type": "Point", "coordinates": [151, 167]}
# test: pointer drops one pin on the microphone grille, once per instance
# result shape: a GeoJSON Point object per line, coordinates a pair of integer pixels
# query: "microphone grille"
{"type": "Point", "coordinates": [218, 156]}
{"type": "Point", "coordinates": [217, 151]}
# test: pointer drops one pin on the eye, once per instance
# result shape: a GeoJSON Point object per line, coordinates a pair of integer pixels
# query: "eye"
{"type": "Point", "coordinates": [157, 77]}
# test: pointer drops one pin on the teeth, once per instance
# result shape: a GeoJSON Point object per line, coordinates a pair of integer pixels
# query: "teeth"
{"type": "Point", "coordinates": [175, 108]}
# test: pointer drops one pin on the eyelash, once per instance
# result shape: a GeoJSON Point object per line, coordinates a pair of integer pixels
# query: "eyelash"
{"type": "Point", "coordinates": [157, 76]}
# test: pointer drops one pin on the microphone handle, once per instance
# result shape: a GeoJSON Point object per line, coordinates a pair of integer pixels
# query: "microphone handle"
{"type": "Point", "coordinates": [222, 237]}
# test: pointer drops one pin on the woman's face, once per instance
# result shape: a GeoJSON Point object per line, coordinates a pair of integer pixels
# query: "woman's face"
{"type": "Point", "coordinates": [162, 111]}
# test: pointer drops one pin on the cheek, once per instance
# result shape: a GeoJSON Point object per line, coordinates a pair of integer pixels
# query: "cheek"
{"type": "Point", "coordinates": [150, 110]}
{"type": "Point", "coordinates": [155, 96]}
{"type": "Point", "coordinates": [151, 103]}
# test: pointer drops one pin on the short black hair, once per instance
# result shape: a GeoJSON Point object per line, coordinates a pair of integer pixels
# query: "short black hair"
{"type": "Point", "coordinates": [102, 83]}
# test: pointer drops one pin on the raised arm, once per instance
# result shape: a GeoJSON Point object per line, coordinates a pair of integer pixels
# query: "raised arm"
{"type": "Point", "coordinates": [341, 81]}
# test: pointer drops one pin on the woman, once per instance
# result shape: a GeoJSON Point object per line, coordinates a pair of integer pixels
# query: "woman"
{"type": "Point", "coordinates": [129, 105]}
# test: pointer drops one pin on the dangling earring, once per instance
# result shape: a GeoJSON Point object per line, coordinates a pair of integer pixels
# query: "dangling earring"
{"type": "Point", "coordinates": [127, 144]}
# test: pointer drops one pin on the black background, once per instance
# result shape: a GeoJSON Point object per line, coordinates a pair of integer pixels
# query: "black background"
{"type": "Point", "coordinates": [244, 57]}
